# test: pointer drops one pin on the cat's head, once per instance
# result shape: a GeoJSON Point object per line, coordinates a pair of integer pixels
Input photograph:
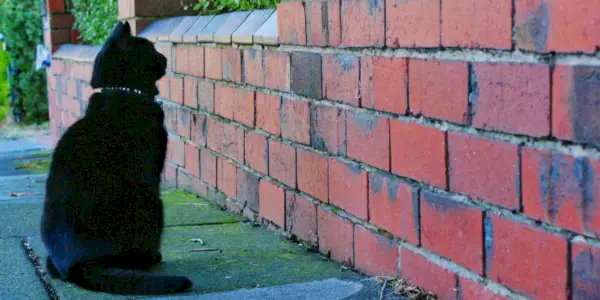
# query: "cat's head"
{"type": "Point", "coordinates": [128, 61]}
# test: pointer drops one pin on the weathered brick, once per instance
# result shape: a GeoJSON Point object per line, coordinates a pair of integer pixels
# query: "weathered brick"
{"type": "Point", "coordinates": [295, 120]}
{"type": "Point", "coordinates": [195, 61]}
{"type": "Point", "coordinates": [419, 271]}
{"type": "Point", "coordinates": [341, 77]}
{"type": "Point", "coordinates": [334, 23]}
{"type": "Point", "coordinates": [394, 206]}
{"type": "Point", "coordinates": [477, 24]}
{"type": "Point", "coordinates": [254, 73]}
{"type": "Point", "coordinates": [184, 124]}
{"type": "Point", "coordinates": [418, 152]}
{"type": "Point", "coordinates": [306, 74]}
{"type": "Point", "coordinates": [232, 64]}
{"type": "Point", "coordinates": [291, 23]}
{"type": "Point", "coordinates": [574, 107]}
{"type": "Point", "coordinates": [198, 129]}
{"type": "Point", "coordinates": [272, 202]}
{"type": "Point", "coordinates": [585, 270]}
{"type": "Point", "coordinates": [469, 289]}
{"type": "Point", "coordinates": [257, 153]}
{"type": "Point", "coordinates": [226, 178]}
{"type": "Point", "coordinates": [226, 139]}
{"type": "Point", "coordinates": [368, 139]}
{"type": "Point", "coordinates": [560, 189]}
{"type": "Point", "coordinates": [175, 152]}
{"type": "Point", "coordinates": [348, 188]}
{"type": "Point", "coordinates": [375, 254]}
{"type": "Point", "coordinates": [208, 168]}
{"type": "Point", "coordinates": [484, 168]}
{"type": "Point", "coordinates": [58, 21]}
{"type": "Point", "coordinates": [282, 162]}
{"type": "Point", "coordinates": [190, 92]}
{"type": "Point", "coordinates": [336, 236]}
{"type": "Point", "coordinates": [539, 257]}
{"type": "Point", "coordinates": [301, 217]}
{"type": "Point", "coordinates": [514, 98]}
{"type": "Point", "coordinates": [328, 129]}
{"type": "Point", "coordinates": [412, 23]}
{"type": "Point", "coordinates": [185, 181]}
{"type": "Point", "coordinates": [181, 54]}
{"type": "Point", "coordinates": [213, 64]}
{"type": "Point", "coordinates": [363, 23]}
{"type": "Point", "coordinates": [552, 25]}
{"type": "Point", "coordinates": [192, 159]}
{"type": "Point", "coordinates": [225, 101]}
{"type": "Point", "coordinates": [176, 87]}
{"type": "Point", "coordinates": [312, 174]}
{"type": "Point", "coordinates": [316, 23]}
{"type": "Point", "coordinates": [170, 175]}
{"type": "Point", "coordinates": [384, 84]}
{"type": "Point", "coordinates": [277, 70]}
{"type": "Point", "coordinates": [247, 189]}
{"type": "Point", "coordinates": [453, 230]}
{"type": "Point", "coordinates": [167, 51]}
{"type": "Point", "coordinates": [206, 96]}
{"type": "Point", "coordinates": [243, 103]}
{"type": "Point", "coordinates": [439, 89]}
{"type": "Point", "coordinates": [267, 112]}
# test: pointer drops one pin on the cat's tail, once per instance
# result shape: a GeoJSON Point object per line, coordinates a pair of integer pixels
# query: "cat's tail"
{"type": "Point", "coordinates": [134, 282]}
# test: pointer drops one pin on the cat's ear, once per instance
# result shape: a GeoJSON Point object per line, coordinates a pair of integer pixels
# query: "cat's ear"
{"type": "Point", "coordinates": [122, 35]}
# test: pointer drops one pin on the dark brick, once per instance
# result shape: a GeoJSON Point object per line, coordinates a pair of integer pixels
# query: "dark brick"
{"type": "Point", "coordinates": [306, 74]}
{"type": "Point", "coordinates": [247, 189]}
{"type": "Point", "coordinates": [301, 217]}
{"type": "Point", "coordinates": [328, 129]}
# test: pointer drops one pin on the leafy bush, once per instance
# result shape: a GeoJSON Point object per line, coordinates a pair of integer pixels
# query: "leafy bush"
{"type": "Point", "coordinates": [213, 7]}
{"type": "Point", "coordinates": [95, 19]}
{"type": "Point", "coordinates": [4, 88]}
{"type": "Point", "coordinates": [21, 24]}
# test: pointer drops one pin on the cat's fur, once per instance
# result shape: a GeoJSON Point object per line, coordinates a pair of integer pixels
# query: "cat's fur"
{"type": "Point", "coordinates": [103, 218]}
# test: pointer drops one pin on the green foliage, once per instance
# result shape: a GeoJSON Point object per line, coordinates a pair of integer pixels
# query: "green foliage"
{"type": "Point", "coordinates": [21, 24]}
{"type": "Point", "coordinates": [213, 7]}
{"type": "Point", "coordinates": [95, 19]}
{"type": "Point", "coordinates": [4, 88]}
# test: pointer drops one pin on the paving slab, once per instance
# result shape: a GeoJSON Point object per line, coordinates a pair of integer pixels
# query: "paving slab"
{"type": "Point", "coordinates": [191, 36]}
{"type": "Point", "coordinates": [184, 209]}
{"type": "Point", "coordinates": [245, 33]}
{"type": "Point", "coordinates": [267, 34]}
{"type": "Point", "coordinates": [207, 34]}
{"type": "Point", "coordinates": [17, 278]}
{"type": "Point", "coordinates": [177, 34]}
{"type": "Point", "coordinates": [233, 22]}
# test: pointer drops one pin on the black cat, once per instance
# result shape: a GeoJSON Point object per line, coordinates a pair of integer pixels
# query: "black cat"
{"type": "Point", "coordinates": [103, 217]}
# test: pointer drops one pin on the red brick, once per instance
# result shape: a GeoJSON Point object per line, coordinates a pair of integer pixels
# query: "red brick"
{"type": "Point", "coordinates": [334, 23]}
{"type": "Point", "coordinates": [363, 23]}
{"type": "Point", "coordinates": [267, 112]}
{"type": "Point", "coordinates": [226, 139]}
{"type": "Point", "coordinates": [171, 112]}
{"type": "Point", "coordinates": [235, 104]}
{"type": "Point", "coordinates": [291, 22]}
{"type": "Point", "coordinates": [336, 236]}
{"type": "Point", "coordinates": [312, 174]}
{"type": "Point", "coordinates": [55, 6]}
{"type": "Point", "coordinates": [208, 168]}
{"type": "Point", "coordinates": [295, 120]}
{"type": "Point", "coordinates": [75, 36]}
{"type": "Point", "coordinates": [468, 289]}
{"type": "Point", "coordinates": [232, 64]}
{"type": "Point", "coordinates": [253, 67]}
{"type": "Point", "coordinates": [195, 61]}
{"type": "Point", "coordinates": [224, 101]}
{"type": "Point", "coordinates": [170, 174]}
{"type": "Point", "coordinates": [375, 254]}
{"type": "Point", "coordinates": [574, 109]}
{"type": "Point", "coordinates": [483, 168]}
{"type": "Point", "coordinates": [301, 217]}
{"type": "Point", "coordinates": [477, 24]}
{"type": "Point", "coordinates": [175, 150]}
{"type": "Point", "coordinates": [72, 88]}
{"type": "Point", "coordinates": [412, 23]}
{"type": "Point", "coordinates": [559, 189]}
{"type": "Point", "coordinates": [213, 64]}
{"type": "Point", "coordinates": [257, 155]}
{"type": "Point", "coordinates": [182, 58]}
{"type": "Point", "coordinates": [368, 139]}
{"type": "Point", "coordinates": [554, 25]}
{"type": "Point", "coordinates": [384, 84]}
{"type": "Point", "coordinates": [206, 96]}
{"type": "Point", "coordinates": [282, 163]}
{"type": "Point", "coordinates": [419, 271]}
{"type": "Point", "coordinates": [538, 257]}
{"type": "Point", "coordinates": [585, 271]}
{"type": "Point", "coordinates": [328, 129]}
{"type": "Point", "coordinates": [418, 152]}
{"type": "Point", "coordinates": [176, 87]}
{"type": "Point", "coordinates": [167, 51]}
{"type": "Point", "coordinates": [348, 188]}
{"type": "Point", "coordinates": [60, 36]}
{"type": "Point", "coordinates": [61, 21]}
{"type": "Point", "coordinates": [192, 159]}
{"type": "Point", "coordinates": [227, 175]}
{"type": "Point", "coordinates": [272, 202]}
{"type": "Point", "coordinates": [247, 189]}
{"type": "Point", "coordinates": [453, 230]}
{"type": "Point", "coordinates": [190, 92]}
{"type": "Point", "coordinates": [440, 89]}
{"type": "Point", "coordinates": [198, 129]}
{"type": "Point", "coordinates": [316, 30]}
{"type": "Point", "coordinates": [199, 187]}
{"type": "Point", "coordinates": [394, 206]}
{"type": "Point", "coordinates": [341, 77]}
{"type": "Point", "coordinates": [184, 124]}
{"type": "Point", "coordinates": [514, 98]}
{"type": "Point", "coordinates": [277, 70]}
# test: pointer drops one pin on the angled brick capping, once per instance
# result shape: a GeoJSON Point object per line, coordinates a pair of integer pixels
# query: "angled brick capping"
{"type": "Point", "coordinates": [455, 143]}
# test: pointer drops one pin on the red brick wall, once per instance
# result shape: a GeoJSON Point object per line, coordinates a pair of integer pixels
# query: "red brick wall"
{"type": "Point", "coordinates": [455, 143]}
